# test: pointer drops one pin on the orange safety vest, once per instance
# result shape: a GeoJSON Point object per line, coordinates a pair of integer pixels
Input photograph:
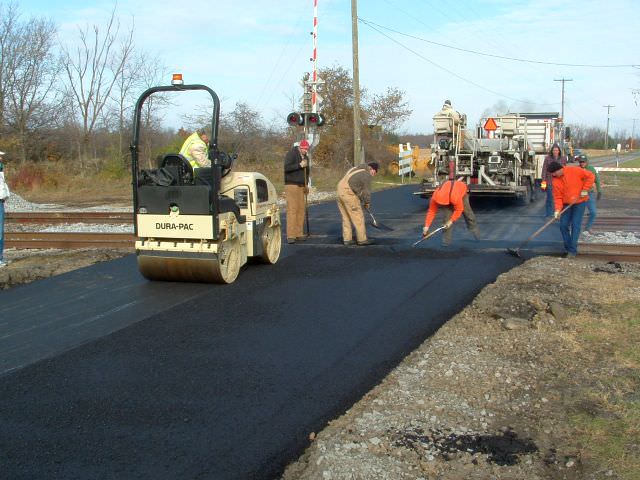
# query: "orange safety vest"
{"type": "Point", "coordinates": [450, 192]}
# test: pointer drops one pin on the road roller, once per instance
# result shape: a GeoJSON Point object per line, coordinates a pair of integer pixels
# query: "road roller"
{"type": "Point", "coordinates": [200, 224]}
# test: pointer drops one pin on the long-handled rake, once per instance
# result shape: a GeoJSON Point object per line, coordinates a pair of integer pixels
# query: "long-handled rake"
{"type": "Point", "coordinates": [516, 251]}
{"type": "Point", "coordinates": [428, 236]}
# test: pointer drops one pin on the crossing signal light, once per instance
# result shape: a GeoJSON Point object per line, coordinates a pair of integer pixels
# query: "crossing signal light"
{"type": "Point", "coordinates": [314, 120]}
{"type": "Point", "coordinates": [295, 119]}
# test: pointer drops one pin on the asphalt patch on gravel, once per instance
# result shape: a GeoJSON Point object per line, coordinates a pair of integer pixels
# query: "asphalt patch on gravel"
{"type": "Point", "coordinates": [502, 449]}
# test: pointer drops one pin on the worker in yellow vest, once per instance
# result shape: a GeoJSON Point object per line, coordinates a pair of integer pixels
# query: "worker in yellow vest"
{"type": "Point", "coordinates": [196, 149]}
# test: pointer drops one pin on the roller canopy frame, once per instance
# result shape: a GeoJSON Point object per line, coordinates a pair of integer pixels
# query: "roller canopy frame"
{"type": "Point", "coordinates": [214, 154]}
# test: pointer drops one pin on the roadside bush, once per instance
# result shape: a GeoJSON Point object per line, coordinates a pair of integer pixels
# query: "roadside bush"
{"type": "Point", "coordinates": [114, 169]}
{"type": "Point", "coordinates": [30, 177]}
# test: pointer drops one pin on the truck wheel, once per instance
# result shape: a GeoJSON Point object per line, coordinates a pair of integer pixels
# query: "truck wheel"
{"type": "Point", "coordinates": [271, 244]}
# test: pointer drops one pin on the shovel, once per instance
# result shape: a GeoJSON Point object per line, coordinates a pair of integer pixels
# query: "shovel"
{"type": "Point", "coordinates": [376, 224]}
{"type": "Point", "coordinates": [428, 236]}
{"type": "Point", "coordinates": [516, 251]}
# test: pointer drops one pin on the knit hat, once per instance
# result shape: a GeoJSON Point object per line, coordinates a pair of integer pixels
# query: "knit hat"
{"type": "Point", "coordinates": [554, 167]}
{"type": "Point", "coordinates": [374, 165]}
{"type": "Point", "coordinates": [447, 102]}
{"type": "Point", "coordinates": [303, 144]}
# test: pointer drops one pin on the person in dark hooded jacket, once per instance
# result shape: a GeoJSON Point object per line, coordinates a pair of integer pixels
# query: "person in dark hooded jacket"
{"type": "Point", "coordinates": [555, 155]}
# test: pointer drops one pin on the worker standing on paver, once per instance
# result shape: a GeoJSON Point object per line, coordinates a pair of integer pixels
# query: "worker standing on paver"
{"type": "Point", "coordinates": [4, 195]}
{"type": "Point", "coordinates": [354, 192]}
{"type": "Point", "coordinates": [453, 195]}
{"type": "Point", "coordinates": [448, 110]}
{"type": "Point", "coordinates": [196, 149]}
{"type": "Point", "coordinates": [571, 187]}
{"type": "Point", "coordinates": [583, 161]}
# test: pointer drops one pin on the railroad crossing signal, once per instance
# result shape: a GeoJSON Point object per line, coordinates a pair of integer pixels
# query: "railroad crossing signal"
{"type": "Point", "coordinates": [296, 119]}
{"type": "Point", "coordinates": [314, 119]}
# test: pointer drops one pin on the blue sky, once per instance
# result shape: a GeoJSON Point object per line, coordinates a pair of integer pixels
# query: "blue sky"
{"type": "Point", "coordinates": [256, 51]}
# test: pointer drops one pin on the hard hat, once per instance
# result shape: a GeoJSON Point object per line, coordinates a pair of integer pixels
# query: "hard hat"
{"type": "Point", "coordinates": [1, 153]}
{"type": "Point", "coordinates": [304, 144]}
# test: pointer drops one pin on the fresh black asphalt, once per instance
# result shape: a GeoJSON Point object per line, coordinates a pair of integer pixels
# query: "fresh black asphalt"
{"type": "Point", "coordinates": [108, 376]}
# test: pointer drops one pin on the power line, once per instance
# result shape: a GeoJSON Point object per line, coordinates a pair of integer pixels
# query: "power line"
{"type": "Point", "coordinates": [513, 59]}
{"type": "Point", "coordinates": [451, 72]}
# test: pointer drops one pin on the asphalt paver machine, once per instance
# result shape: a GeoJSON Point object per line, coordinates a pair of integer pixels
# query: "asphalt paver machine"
{"type": "Point", "coordinates": [200, 224]}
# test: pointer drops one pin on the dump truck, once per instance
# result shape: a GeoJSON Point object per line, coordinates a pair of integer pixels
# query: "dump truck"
{"type": "Point", "coordinates": [200, 224]}
{"type": "Point", "coordinates": [499, 164]}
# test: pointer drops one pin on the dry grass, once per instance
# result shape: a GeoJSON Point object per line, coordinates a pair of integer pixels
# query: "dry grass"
{"type": "Point", "coordinates": [52, 182]}
{"type": "Point", "coordinates": [606, 412]}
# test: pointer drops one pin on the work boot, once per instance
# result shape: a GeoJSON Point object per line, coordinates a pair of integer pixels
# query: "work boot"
{"type": "Point", "coordinates": [349, 243]}
{"type": "Point", "coordinates": [364, 243]}
{"type": "Point", "coordinates": [291, 240]}
{"type": "Point", "coordinates": [301, 239]}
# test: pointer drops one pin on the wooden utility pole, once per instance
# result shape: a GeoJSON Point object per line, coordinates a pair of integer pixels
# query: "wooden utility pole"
{"type": "Point", "coordinates": [606, 134]}
{"type": "Point", "coordinates": [562, 135]}
{"type": "Point", "coordinates": [357, 143]}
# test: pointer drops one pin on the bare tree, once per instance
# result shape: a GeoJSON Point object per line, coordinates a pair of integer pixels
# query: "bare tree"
{"type": "Point", "coordinates": [9, 16]}
{"type": "Point", "coordinates": [92, 70]}
{"type": "Point", "coordinates": [150, 73]}
{"type": "Point", "coordinates": [388, 110]}
{"type": "Point", "coordinates": [32, 102]}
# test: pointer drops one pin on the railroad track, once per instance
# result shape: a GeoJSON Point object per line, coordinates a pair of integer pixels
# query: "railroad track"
{"type": "Point", "coordinates": [610, 252]}
{"type": "Point", "coordinates": [602, 224]}
{"type": "Point", "coordinates": [50, 218]}
{"type": "Point", "coordinates": [68, 240]}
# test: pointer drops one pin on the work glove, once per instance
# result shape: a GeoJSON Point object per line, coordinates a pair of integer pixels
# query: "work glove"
{"type": "Point", "coordinates": [556, 214]}
{"type": "Point", "coordinates": [543, 185]}
{"type": "Point", "coordinates": [366, 206]}
{"type": "Point", "coordinates": [584, 193]}
{"type": "Point", "coordinates": [447, 224]}
{"type": "Point", "coordinates": [304, 163]}
{"type": "Point", "coordinates": [424, 231]}
{"type": "Point", "coordinates": [599, 196]}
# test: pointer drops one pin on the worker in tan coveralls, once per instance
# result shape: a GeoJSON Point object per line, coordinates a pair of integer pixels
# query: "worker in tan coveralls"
{"type": "Point", "coordinates": [354, 191]}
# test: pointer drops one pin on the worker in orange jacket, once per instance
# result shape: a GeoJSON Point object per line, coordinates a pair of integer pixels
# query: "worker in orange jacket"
{"type": "Point", "coordinates": [453, 195]}
{"type": "Point", "coordinates": [571, 187]}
